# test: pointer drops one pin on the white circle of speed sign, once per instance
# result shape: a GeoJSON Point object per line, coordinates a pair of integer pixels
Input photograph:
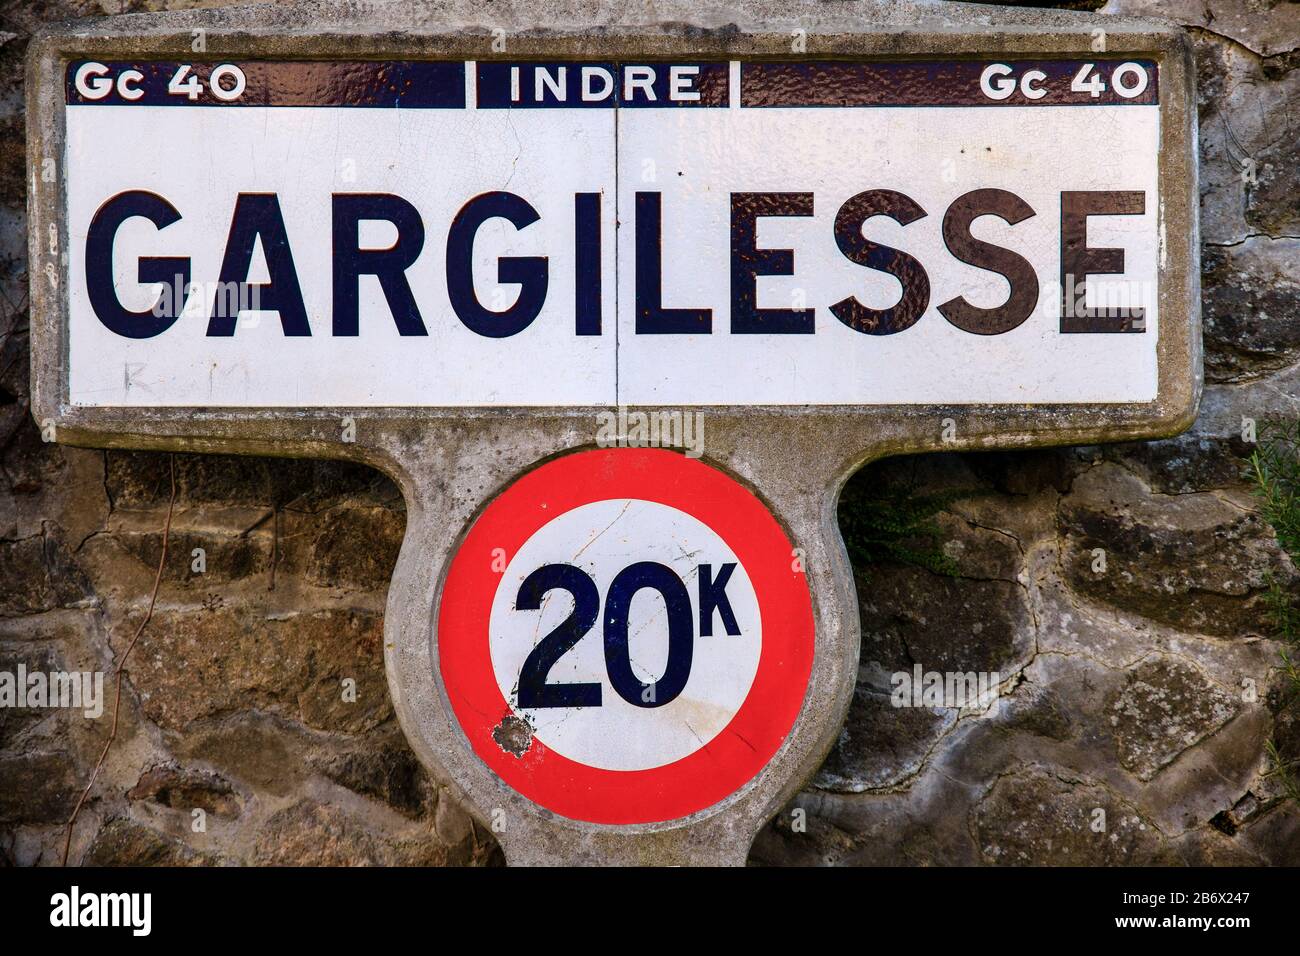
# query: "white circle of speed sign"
{"type": "Point", "coordinates": [619, 735]}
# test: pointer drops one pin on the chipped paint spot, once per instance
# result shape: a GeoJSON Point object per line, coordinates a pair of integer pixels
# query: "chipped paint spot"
{"type": "Point", "coordinates": [513, 735]}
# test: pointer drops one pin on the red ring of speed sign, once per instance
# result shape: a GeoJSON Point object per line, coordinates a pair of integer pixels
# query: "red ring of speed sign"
{"type": "Point", "coordinates": [674, 554]}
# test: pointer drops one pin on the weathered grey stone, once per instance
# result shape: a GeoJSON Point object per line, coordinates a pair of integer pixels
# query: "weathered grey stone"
{"type": "Point", "coordinates": [142, 478]}
{"type": "Point", "coordinates": [1019, 474]}
{"type": "Point", "coordinates": [14, 720]}
{"type": "Point", "coordinates": [1197, 561]}
{"type": "Point", "coordinates": [204, 663]}
{"type": "Point", "coordinates": [123, 842]}
{"type": "Point", "coordinates": [1209, 848]}
{"type": "Point", "coordinates": [1035, 817]}
{"type": "Point", "coordinates": [1166, 707]}
{"type": "Point", "coordinates": [130, 558]}
{"type": "Point", "coordinates": [256, 749]}
{"type": "Point", "coordinates": [1252, 308]}
{"type": "Point", "coordinates": [181, 788]}
{"type": "Point", "coordinates": [39, 574]}
{"type": "Point", "coordinates": [356, 547]}
{"type": "Point", "coordinates": [910, 616]}
{"type": "Point", "coordinates": [1248, 173]}
{"type": "Point", "coordinates": [14, 387]}
{"type": "Point", "coordinates": [27, 460]}
{"type": "Point", "coordinates": [384, 768]}
{"type": "Point", "coordinates": [1268, 27]}
{"type": "Point", "coordinates": [1197, 460]}
{"type": "Point", "coordinates": [1274, 835]}
{"type": "Point", "coordinates": [452, 824]}
{"type": "Point", "coordinates": [881, 745]}
{"type": "Point", "coordinates": [816, 841]}
{"type": "Point", "coordinates": [39, 787]}
{"type": "Point", "coordinates": [315, 834]}
{"type": "Point", "coordinates": [69, 479]}
{"type": "Point", "coordinates": [1038, 711]}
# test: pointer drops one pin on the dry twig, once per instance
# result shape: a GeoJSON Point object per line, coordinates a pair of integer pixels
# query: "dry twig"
{"type": "Point", "coordinates": [117, 702]}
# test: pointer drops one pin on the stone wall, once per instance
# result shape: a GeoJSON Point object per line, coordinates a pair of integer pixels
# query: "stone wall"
{"type": "Point", "coordinates": [1126, 690]}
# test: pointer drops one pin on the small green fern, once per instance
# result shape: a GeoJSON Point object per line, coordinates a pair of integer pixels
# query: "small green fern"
{"type": "Point", "coordinates": [1274, 469]}
{"type": "Point", "coordinates": [892, 522]}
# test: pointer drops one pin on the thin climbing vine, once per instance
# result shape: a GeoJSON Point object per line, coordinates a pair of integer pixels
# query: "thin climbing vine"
{"type": "Point", "coordinates": [119, 669]}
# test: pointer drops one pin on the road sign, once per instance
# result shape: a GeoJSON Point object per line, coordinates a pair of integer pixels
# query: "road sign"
{"type": "Point", "coordinates": [970, 252]}
{"type": "Point", "coordinates": [492, 264]}
{"type": "Point", "coordinates": [627, 635]}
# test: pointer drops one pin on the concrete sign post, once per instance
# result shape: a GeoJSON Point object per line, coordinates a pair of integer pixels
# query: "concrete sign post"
{"type": "Point", "coordinates": [620, 300]}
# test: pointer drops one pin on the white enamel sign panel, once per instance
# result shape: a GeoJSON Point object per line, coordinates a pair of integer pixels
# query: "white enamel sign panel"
{"type": "Point", "coordinates": [437, 234]}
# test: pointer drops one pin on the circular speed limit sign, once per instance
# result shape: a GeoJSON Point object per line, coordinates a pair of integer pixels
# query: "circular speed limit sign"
{"type": "Point", "coordinates": [626, 636]}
